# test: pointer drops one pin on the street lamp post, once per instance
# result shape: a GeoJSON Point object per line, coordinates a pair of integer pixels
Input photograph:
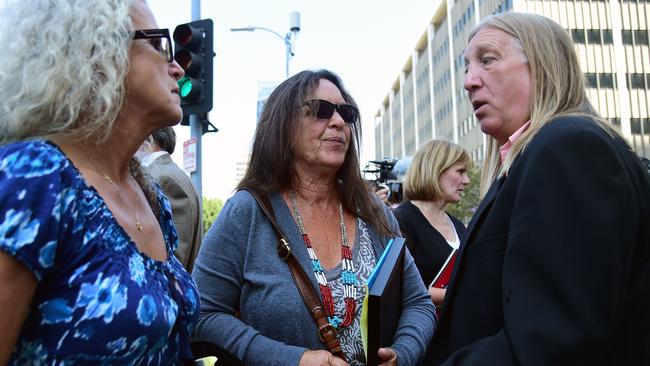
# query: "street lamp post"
{"type": "Point", "coordinates": [288, 39]}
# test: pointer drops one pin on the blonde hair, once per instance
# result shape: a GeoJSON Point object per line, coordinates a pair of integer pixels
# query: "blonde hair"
{"type": "Point", "coordinates": [63, 67]}
{"type": "Point", "coordinates": [431, 160]}
{"type": "Point", "coordinates": [557, 82]}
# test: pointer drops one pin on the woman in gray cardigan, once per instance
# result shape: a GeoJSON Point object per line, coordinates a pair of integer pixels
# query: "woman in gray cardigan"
{"type": "Point", "coordinates": [305, 159]}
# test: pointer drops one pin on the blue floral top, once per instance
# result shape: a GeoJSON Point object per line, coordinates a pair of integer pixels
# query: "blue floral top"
{"type": "Point", "coordinates": [99, 300]}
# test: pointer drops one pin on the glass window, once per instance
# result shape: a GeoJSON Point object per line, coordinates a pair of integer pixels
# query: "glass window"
{"type": "Point", "coordinates": [607, 36]}
{"type": "Point", "coordinates": [635, 124]}
{"type": "Point", "coordinates": [578, 35]}
{"type": "Point", "coordinates": [641, 37]}
{"type": "Point", "coordinates": [606, 80]}
{"type": "Point", "coordinates": [636, 79]}
{"type": "Point", "coordinates": [627, 36]}
{"type": "Point", "coordinates": [593, 36]}
{"type": "Point", "coordinates": [591, 79]}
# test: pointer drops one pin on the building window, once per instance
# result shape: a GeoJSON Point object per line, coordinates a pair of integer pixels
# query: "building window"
{"type": "Point", "coordinates": [641, 37]}
{"type": "Point", "coordinates": [615, 121]}
{"type": "Point", "coordinates": [606, 80]}
{"type": "Point", "coordinates": [636, 80]}
{"type": "Point", "coordinates": [607, 36]}
{"type": "Point", "coordinates": [627, 36]}
{"type": "Point", "coordinates": [640, 125]}
{"type": "Point", "coordinates": [578, 35]}
{"type": "Point", "coordinates": [593, 36]}
{"type": "Point", "coordinates": [591, 80]}
{"type": "Point", "coordinates": [635, 124]}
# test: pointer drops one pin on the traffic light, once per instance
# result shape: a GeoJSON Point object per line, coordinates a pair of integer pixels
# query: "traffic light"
{"type": "Point", "coordinates": [193, 50]}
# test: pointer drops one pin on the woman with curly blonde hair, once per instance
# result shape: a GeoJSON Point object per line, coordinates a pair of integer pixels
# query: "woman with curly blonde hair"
{"type": "Point", "coordinates": [87, 270]}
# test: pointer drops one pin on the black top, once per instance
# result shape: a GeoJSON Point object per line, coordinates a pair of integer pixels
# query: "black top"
{"type": "Point", "coordinates": [427, 246]}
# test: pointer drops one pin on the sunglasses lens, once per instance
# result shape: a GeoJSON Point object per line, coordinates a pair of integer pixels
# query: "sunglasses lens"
{"type": "Point", "coordinates": [348, 113]}
{"type": "Point", "coordinates": [325, 110]}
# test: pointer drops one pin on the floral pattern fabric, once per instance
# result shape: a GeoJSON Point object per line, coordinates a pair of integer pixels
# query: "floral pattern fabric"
{"type": "Point", "coordinates": [99, 300]}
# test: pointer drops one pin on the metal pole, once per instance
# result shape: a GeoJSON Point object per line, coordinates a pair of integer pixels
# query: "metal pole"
{"type": "Point", "coordinates": [287, 44]}
{"type": "Point", "coordinates": [287, 39]}
{"type": "Point", "coordinates": [196, 126]}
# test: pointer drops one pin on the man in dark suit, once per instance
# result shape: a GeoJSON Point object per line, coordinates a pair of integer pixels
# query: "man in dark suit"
{"type": "Point", "coordinates": [177, 186]}
{"type": "Point", "coordinates": [555, 266]}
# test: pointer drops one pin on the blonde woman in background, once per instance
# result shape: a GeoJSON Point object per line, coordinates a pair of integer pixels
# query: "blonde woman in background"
{"type": "Point", "coordinates": [437, 177]}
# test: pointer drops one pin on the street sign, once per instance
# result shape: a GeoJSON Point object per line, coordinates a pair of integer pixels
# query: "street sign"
{"type": "Point", "coordinates": [189, 155]}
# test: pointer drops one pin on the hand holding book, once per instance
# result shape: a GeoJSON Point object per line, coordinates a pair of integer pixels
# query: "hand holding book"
{"type": "Point", "coordinates": [437, 288]}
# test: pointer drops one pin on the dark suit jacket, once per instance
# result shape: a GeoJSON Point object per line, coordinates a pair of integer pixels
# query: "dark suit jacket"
{"type": "Point", "coordinates": [186, 207]}
{"type": "Point", "coordinates": [555, 268]}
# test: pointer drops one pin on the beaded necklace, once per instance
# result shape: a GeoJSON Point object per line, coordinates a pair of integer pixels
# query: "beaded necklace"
{"type": "Point", "coordinates": [348, 276]}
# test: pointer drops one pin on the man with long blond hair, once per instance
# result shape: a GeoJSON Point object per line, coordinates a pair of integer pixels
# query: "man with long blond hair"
{"type": "Point", "coordinates": [555, 266]}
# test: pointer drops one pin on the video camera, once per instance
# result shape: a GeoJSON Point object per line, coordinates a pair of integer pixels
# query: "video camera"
{"type": "Point", "coordinates": [385, 177]}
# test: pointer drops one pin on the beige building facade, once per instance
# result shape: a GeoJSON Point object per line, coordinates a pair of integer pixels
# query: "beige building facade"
{"type": "Point", "coordinates": [427, 99]}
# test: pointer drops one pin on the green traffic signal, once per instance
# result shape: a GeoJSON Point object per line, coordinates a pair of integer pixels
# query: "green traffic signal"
{"type": "Point", "coordinates": [185, 86]}
{"type": "Point", "coordinates": [189, 90]}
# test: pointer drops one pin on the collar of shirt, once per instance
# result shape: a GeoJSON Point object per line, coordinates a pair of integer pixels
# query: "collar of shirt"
{"type": "Point", "coordinates": [505, 148]}
{"type": "Point", "coordinates": [147, 160]}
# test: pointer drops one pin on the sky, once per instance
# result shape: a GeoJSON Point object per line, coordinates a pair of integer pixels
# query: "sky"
{"type": "Point", "coordinates": [366, 42]}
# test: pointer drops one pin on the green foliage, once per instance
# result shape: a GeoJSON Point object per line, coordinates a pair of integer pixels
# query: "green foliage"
{"type": "Point", "coordinates": [211, 209]}
{"type": "Point", "coordinates": [464, 209]}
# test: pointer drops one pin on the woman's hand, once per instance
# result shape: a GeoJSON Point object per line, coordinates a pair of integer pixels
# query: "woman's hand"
{"type": "Point", "coordinates": [387, 356]}
{"type": "Point", "coordinates": [437, 295]}
{"type": "Point", "coordinates": [321, 358]}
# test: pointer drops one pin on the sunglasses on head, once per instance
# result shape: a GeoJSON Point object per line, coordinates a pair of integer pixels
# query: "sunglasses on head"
{"type": "Point", "coordinates": [323, 109]}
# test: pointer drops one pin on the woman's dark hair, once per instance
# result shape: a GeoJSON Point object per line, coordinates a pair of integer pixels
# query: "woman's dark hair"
{"type": "Point", "coordinates": [271, 167]}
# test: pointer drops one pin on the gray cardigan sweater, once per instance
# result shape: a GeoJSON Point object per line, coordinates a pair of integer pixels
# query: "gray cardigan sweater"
{"type": "Point", "coordinates": [238, 269]}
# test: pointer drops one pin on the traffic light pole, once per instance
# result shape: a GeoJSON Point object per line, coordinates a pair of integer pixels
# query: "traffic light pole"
{"type": "Point", "coordinates": [196, 126]}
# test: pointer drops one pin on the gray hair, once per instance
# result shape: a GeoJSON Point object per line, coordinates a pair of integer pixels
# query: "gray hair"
{"type": "Point", "coordinates": [63, 68]}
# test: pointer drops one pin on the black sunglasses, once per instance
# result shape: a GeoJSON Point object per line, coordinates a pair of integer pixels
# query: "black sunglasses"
{"type": "Point", "coordinates": [323, 109]}
{"type": "Point", "coordinates": [160, 40]}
